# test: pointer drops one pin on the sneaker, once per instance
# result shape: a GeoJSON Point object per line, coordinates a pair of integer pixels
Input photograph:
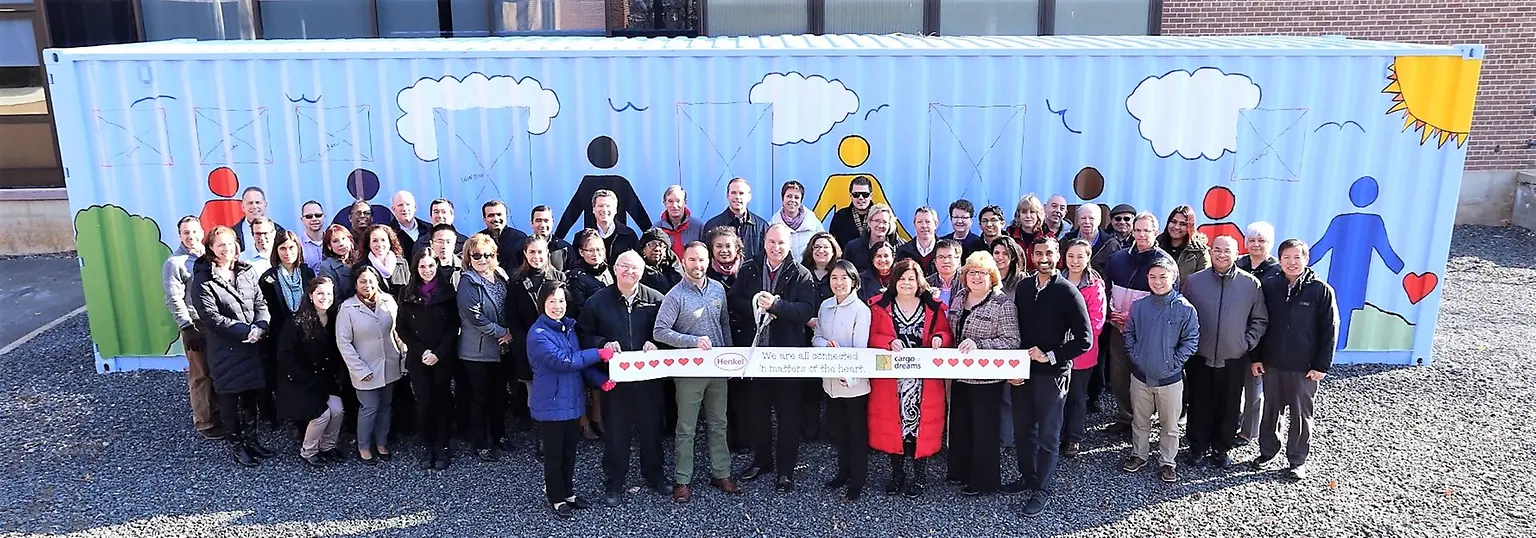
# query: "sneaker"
{"type": "Point", "coordinates": [1013, 488]}
{"type": "Point", "coordinates": [1132, 464]}
{"type": "Point", "coordinates": [1167, 474]}
{"type": "Point", "coordinates": [1258, 463]}
{"type": "Point", "coordinates": [215, 433]}
{"type": "Point", "coordinates": [1036, 504]}
{"type": "Point", "coordinates": [1298, 472]}
{"type": "Point", "coordinates": [564, 510]}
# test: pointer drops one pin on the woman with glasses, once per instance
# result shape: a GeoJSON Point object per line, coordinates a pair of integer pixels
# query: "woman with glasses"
{"type": "Point", "coordinates": [906, 416]}
{"type": "Point", "coordinates": [483, 339]}
{"type": "Point", "coordinates": [589, 272]}
{"type": "Point", "coordinates": [844, 322]}
{"type": "Point", "coordinates": [983, 317]}
{"type": "Point", "coordinates": [661, 265]}
{"type": "Point", "coordinates": [372, 350]}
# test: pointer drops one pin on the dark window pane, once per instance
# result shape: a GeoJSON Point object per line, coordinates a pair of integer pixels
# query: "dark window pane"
{"type": "Point", "coordinates": [551, 17]}
{"type": "Point", "coordinates": [83, 23]}
{"type": "Point", "coordinates": [874, 16]}
{"type": "Point", "coordinates": [18, 42]}
{"type": "Point", "coordinates": [410, 18]}
{"type": "Point", "coordinates": [676, 18]}
{"type": "Point", "coordinates": [315, 19]}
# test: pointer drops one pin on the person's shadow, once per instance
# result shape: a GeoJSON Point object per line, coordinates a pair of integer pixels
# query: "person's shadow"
{"type": "Point", "coordinates": [603, 153]}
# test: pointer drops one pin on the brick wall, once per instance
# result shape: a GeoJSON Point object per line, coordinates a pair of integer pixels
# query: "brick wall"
{"type": "Point", "coordinates": [1505, 116]}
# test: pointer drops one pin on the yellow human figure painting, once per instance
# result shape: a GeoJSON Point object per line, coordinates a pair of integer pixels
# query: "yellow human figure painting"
{"type": "Point", "coordinates": [1435, 95]}
{"type": "Point", "coordinates": [853, 151]}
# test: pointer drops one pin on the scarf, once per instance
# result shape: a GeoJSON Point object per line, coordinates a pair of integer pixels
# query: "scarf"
{"type": "Point", "coordinates": [370, 301]}
{"type": "Point", "coordinates": [292, 288]}
{"type": "Point", "coordinates": [724, 270]}
{"type": "Point", "coordinates": [861, 220]}
{"type": "Point", "coordinates": [427, 288]}
{"type": "Point", "coordinates": [385, 265]}
{"type": "Point", "coordinates": [795, 221]}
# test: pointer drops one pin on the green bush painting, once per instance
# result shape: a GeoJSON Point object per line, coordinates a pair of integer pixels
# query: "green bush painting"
{"type": "Point", "coordinates": [120, 260]}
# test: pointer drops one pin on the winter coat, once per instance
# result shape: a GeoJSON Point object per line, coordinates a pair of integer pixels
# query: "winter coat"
{"type": "Point", "coordinates": [1092, 289]}
{"type": "Point", "coordinates": [482, 317]}
{"type": "Point", "coordinates": [407, 243]}
{"type": "Point", "coordinates": [1232, 313]}
{"type": "Point", "coordinates": [690, 230]}
{"type": "Point", "coordinates": [430, 322]}
{"type": "Point", "coordinates": [1265, 268]}
{"type": "Point", "coordinates": [341, 277]}
{"type": "Point", "coordinates": [871, 285]}
{"type": "Point", "coordinates": [847, 324]}
{"type": "Point", "coordinates": [992, 324]}
{"type": "Point", "coordinates": [843, 227]}
{"type": "Point", "coordinates": [227, 310]}
{"type": "Point", "coordinates": [1126, 272]}
{"type": "Point", "coordinates": [1193, 256]}
{"type": "Point", "coordinates": [369, 342]}
{"type": "Point", "coordinates": [559, 364]}
{"type": "Point", "coordinates": [1303, 324]}
{"type": "Point", "coordinates": [1055, 320]}
{"type": "Point", "coordinates": [857, 252]}
{"type": "Point", "coordinates": [609, 318]}
{"type": "Point", "coordinates": [884, 402]}
{"type": "Point", "coordinates": [272, 291]}
{"type": "Point", "coordinates": [583, 281]}
{"type": "Point", "coordinates": [796, 305]}
{"type": "Point", "coordinates": [799, 238]}
{"type": "Point", "coordinates": [622, 240]}
{"type": "Point", "coordinates": [523, 308]}
{"type": "Point", "coordinates": [1160, 336]}
{"type": "Point", "coordinates": [307, 368]}
{"type": "Point", "coordinates": [509, 248]}
{"type": "Point", "coordinates": [662, 278]}
{"type": "Point", "coordinates": [750, 229]}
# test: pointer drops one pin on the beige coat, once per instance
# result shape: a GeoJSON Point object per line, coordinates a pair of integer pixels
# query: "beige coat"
{"type": "Point", "coordinates": [368, 342]}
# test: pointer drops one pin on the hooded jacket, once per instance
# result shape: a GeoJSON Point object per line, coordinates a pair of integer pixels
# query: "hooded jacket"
{"type": "Point", "coordinates": [1161, 334]}
{"type": "Point", "coordinates": [1231, 311]}
{"type": "Point", "coordinates": [1303, 324]}
{"type": "Point", "coordinates": [1092, 288]}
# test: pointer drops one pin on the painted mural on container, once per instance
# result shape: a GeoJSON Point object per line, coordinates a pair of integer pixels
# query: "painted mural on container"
{"type": "Point", "coordinates": [1326, 159]}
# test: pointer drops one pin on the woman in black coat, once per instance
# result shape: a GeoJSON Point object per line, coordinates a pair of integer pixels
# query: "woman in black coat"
{"type": "Point", "coordinates": [661, 265]}
{"type": "Point", "coordinates": [589, 271]}
{"type": "Point", "coordinates": [308, 362]}
{"type": "Point", "coordinates": [429, 325]}
{"type": "Point", "coordinates": [283, 288]}
{"type": "Point", "coordinates": [523, 307]}
{"type": "Point", "coordinates": [230, 305]}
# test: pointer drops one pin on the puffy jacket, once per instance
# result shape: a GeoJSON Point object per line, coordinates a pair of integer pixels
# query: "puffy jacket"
{"type": "Point", "coordinates": [1269, 265]}
{"type": "Point", "coordinates": [583, 281]}
{"type": "Point", "coordinates": [1303, 324]}
{"type": "Point", "coordinates": [1092, 288]}
{"type": "Point", "coordinates": [228, 309]}
{"type": "Point", "coordinates": [1126, 271]}
{"type": "Point", "coordinates": [884, 400]}
{"type": "Point", "coordinates": [482, 316]}
{"type": "Point", "coordinates": [1192, 257]}
{"type": "Point", "coordinates": [559, 365]}
{"type": "Point", "coordinates": [369, 343]}
{"type": "Point", "coordinates": [1231, 311]}
{"type": "Point", "coordinates": [1161, 334]}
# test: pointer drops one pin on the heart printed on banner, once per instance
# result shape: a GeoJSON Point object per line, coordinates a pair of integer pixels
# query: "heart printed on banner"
{"type": "Point", "coordinates": [938, 362]}
{"type": "Point", "coordinates": [667, 362]}
{"type": "Point", "coordinates": [698, 361]}
{"type": "Point", "coordinates": [623, 366]}
{"type": "Point", "coordinates": [640, 365]}
{"type": "Point", "coordinates": [968, 362]}
{"type": "Point", "coordinates": [997, 363]}
{"type": "Point", "coordinates": [1013, 363]}
{"type": "Point", "coordinates": [953, 362]}
{"type": "Point", "coordinates": [655, 362]}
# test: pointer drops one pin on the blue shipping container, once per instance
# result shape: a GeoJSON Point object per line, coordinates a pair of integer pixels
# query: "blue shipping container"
{"type": "Point", "coordinates": [1355, 146]}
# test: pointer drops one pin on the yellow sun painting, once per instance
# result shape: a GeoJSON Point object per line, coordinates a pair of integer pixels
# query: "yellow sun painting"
{"type": "Point", "coordinates": [1435, 95]}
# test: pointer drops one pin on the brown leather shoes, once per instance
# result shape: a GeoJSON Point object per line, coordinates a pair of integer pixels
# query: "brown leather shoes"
{"type": "Point", "coordinates": [726, 484]}
{"type": "Point", "coordinates": [681, 493]}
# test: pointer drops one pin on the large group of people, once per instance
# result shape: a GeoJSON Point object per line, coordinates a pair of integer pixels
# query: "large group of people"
{"type": "Point", "coordinates": [380, 332]}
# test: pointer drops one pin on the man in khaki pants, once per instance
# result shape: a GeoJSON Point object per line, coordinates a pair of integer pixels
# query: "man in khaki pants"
{"type": "Point", "coordinates": [174, 277]}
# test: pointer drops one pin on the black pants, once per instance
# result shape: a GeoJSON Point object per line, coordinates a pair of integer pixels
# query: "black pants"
{"type": "Point", "coordinates": [633, 410]}
{"type": "Point", "coordinates": [1216, 409]}
{"type": "Point", "coordinates": [1098, 378]}
{"type": "Point", "coordinates": [811, 396]}
{"type": "Point", "coordinates": [780, 398]}
{"type": "Point", "coordinates": [1037, 413]}
{"type": "Point", "coordinates": [1075, 417]}
{"type": "Point", "coordinates": [975, 454]}
{"type": "Point", "coordinates": [560, 438]}
{"type": "Point", "coordinates": [486, 403]}
{"type": "Point", "coordinates": [232, 405]}
{"type": "Point", "coordinates": [266, 398]}
{"type": "Point", "coordinates": [848, 425]}
{"type": "Point", "coordinates": [431, 386]}
{"type": "Point", "coordinates": [403, 416]}
{"type": "Point", "coordinates": [737, 412]}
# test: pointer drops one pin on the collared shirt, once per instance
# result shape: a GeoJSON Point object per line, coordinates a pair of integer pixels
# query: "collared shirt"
{"type": "Point", "coordinates": [629, 298]}
{"type": "Point", "coordinates": [925, 251]}
{"type": "Point", "coordinates": [770, 274]}
{"type": "Point", "coordinates": [259, 262]}
{"type": "Point", "coordinates": [314, 252]}
{"type": "Point", "coordinates": [608, 232]}
{"type": "Point", "coordinates": [414, 231]}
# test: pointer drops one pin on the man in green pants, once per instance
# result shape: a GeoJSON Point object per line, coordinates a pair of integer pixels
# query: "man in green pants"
{"type": "Point", "coordinates": [693, 315]}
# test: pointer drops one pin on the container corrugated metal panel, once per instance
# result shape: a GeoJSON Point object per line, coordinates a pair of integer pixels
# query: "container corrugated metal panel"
{"type": "Point", "coordinates": [1306, 133]}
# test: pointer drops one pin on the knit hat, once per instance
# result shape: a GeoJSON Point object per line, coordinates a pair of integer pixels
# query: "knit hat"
{"type": "Point", "coordinates": [1122, 208]}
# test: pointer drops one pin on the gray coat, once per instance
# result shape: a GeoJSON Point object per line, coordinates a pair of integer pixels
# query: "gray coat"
{"type": "Point", "coordinates": [1231, 311]}
{"type": "Point", "coordinates": [368, 342]}
{"type": "Point", "coordinates": [1161, 335]}
{"type": "Point", "coordinates": [482, 317]}
{"type": "Point", "coordinates": [175, 278]}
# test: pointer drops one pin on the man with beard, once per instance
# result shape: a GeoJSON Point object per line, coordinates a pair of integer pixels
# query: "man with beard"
{"type": "Point", "coordinates": [509, 240]}
{"type": "Point", "coordinates": [1120, 222]}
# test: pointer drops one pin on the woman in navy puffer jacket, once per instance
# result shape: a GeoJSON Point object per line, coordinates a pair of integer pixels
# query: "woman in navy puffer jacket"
{"type": "Point", "coordinates": [557, 397]}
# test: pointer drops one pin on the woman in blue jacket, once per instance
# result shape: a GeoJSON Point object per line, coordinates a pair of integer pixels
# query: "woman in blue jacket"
{"type": "Point", "coordinates": [557, 398]}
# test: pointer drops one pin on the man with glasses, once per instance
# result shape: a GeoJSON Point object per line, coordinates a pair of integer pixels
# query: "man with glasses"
{"type": "Point", "coordinates": [1120, 222]}
{"type": "Point", "coordinates": [946, 260]}
{"type": "Point", "coordinates": [409, 229]}
{"type": "Point", "coordinates": [263, 234]}
{"type": "Point", "coordinates": [313, 238]}
{"type": "Point", "coordinates": [960, 216]}
{"type": "Point", "coordinates": [1104, 244]}
{"type": "Point", "coordinates": [1126, 274]}
{"type": "Point", "coordinates": [444, 240]}
{"type": "Point", "coordinates": [253, 201]}
{"type": "Point", "coordinates": [852, 222]}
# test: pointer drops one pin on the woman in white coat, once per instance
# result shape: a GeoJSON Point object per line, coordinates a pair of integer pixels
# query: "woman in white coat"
{"type": "Point", "coordinates": [843, 321]}
{"type": "Point", "coordinates": [373, 353]}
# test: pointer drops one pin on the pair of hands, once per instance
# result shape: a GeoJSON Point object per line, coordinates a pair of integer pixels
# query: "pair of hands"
{"type": "Point", "coordinates": [1118, 319]}
{"type": "Point", "coordinates": [1313, 375]}
{"type": "Point", "coordinates": [255, 335]}
{"type": "Point", "coordinates": [613, 347]}
{"type": "Point", "coordinates": [764, 300]}
{"type": "Point", "coordinates": [968, 345]}
{"type": "Point", "coordinates": [897, 346]}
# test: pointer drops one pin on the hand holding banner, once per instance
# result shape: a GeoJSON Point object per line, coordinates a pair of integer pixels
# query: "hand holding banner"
{"type": "Point", "coordinates": [818, 362]}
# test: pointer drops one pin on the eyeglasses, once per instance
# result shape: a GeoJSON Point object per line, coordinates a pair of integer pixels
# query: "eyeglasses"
{"type": "Point", "coordinates": [991, 220]}
{"type": "Point", "coordinates": [313, 215]}
{"type": "Point", "coordinates": [481, 256]}
{"type": "Point", "coordinates": [861, 194]}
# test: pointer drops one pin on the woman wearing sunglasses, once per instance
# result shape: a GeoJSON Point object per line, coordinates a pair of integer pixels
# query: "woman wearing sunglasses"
{"type": "Point", "coordinates": [483, 338]}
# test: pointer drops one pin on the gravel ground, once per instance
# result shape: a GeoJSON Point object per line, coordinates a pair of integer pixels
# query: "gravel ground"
{"type": "Point", "coordinates": [1397, 452]}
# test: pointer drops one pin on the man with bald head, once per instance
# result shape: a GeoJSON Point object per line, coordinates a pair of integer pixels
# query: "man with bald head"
{"type": "Point", "coordinates": [411, 231]}
{"type": "Point", "coordinates": [1056, 225]}
{"type": "Point", "coordinates": [774, 297]}
{"type": "Point", "coordinates": [1232, 317]}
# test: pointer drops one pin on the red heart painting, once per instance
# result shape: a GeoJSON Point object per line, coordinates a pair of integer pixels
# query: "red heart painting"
{"type": "Point", "coordinates": [654, 362]}
{"type": "Point", "coordinates": [969, 362]}
{"type": "Point", "coordinates": [938, 362]}
{"type": "Point", "coordinates": [640, 365]}
{"type": "Point", "coordinates": [1013, 363]}
{"type": "Point", "coordinates": [1418, 285]}
{"type": "Point", "coordinates": [953, 362]}
{"type": "Point", "coordinates": [997, 362]}
{"type": "Point", "coordinates": [698, 360]}
{"type": "Point", "coordinates": [667, 362]}
{"type": "Point", "coordinates": [623, 366]}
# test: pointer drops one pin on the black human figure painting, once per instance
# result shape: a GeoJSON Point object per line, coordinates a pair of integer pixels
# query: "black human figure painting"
{"type": "Point", "coordinates": [603, 153]}
{"type": "Point", "coordinates": [363, 184]}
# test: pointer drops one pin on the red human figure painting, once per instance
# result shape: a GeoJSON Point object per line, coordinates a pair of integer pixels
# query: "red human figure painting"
{"type": "Point", "coordinates": [225, 211]}
{"type": "Point", "coordinates": [1218, 204]}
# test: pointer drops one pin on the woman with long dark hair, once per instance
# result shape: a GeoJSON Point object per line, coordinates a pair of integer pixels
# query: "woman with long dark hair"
{"type": "Point", "coordinates": [557, 398]}
{"type": "Point", "coordinates": [844, 322]}
{"type": "Point", "coordinates": [429, 326]}
{"type": "Point", "coordinates": [229, 303]}
{"type": "Point", "coordinates": [371, 348]}
{"type": "Point", "coordinates": [340, 255]}
{"type": "Point", "coordinates": [877, 280]}
{"type": "Point", "coordinates": [906, 416]}
{"type": "Point", "coordinates": [308, 362]}
{"type": "Point", "coordinates": [1009, 258]}
{"type": "Point", "coordinates": [283, 288]}
{"type": "Point", "coordinates": [384, 255]}
{"type": "Point", "coordinates": [1078, 256]}
{"type": "Point", "coordinates": [523, 307]}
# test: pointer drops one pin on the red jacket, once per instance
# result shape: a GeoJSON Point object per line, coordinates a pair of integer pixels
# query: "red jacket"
{"type": "Point", "coordinates": [885, 404]}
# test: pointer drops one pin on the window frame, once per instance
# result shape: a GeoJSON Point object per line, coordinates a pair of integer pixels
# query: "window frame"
{"type": "Point", "coordinates": [37, 13]}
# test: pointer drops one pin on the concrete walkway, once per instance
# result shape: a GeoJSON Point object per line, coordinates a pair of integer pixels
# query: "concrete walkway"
{"type": "Point", "coordinates": [35, 292]}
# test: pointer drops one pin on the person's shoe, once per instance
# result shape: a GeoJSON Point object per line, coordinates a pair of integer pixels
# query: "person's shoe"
{"type": "Point", "coordinates": [314, 462]}
{"type": "Point", "coordinates": [751, 473]}
{"type": "Point", "coordinates": [506, 444]}
{"type": "Point", "coordinates": [681, 493]}
{"type": "Point", "coordinates": [335, 455]}
{"type": "Point", "coordinates": [661, 488]}
{"type": "Point", "coordinates": [564, 510]}
{"type": "Point", "coordinates": [895, 486]}
{"type": "Point", "coordinates": [613, 499]}
{"type": "Point", "coordinates": [1193, 459]}
{"type": "Point", "coordinates": [1298, 472]}
{"type": "Point", "coordinates": [741, 451]}
{"type": "Point", "coordinates": [784, 484]}
{"type": "Point", "coordinates": [1219, 460]}
{"type": "Point", "coordinates": [1132, 464]}
{"type": "Point", "coordinates": [487, 455]}
{"type": "Point", "coordinates": [384, 456]}
{"type": "Point", "coordinates": [254, 445]}
{"type": "Point", "coordinates": [1013, 488]}
{"type": "Point", "coordinates": [1258, 463]}
{"type": "Point", "coordinates": [371, 460]}
{"type": "Point", "coordinates": [727, 485]}
{"type": "Point", "coordinates": [1036, 504]}
{"type": "Point", "coordinates": [1071, 449]}
{"type": "Point", "coordinates": [835, 482]}
{"type": "Point", "coordinates": [955, 480]}
{"type": "Point", "coordinates": [578, 502]}
{"type": "Point", "coordinates": [1118, 428]}
{"type": "Point", "coordinates": [1167, 474]}
{"type": "Point", "coordinates": [215, 433]}
{"type": "Point", "coordinates": [426, 461]}
{"type": "Point", "coordinates": [969, 491]}
{"type": "Point", "coordinates": [243, 455]}
{"type": "Point", "coordinates": [1240, 441]}
{"type": "Point", "coordinates": [853, 494]}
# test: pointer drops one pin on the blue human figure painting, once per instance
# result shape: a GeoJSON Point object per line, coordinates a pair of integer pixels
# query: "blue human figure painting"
{"type": "Point", "coordinates": [1353, 237]}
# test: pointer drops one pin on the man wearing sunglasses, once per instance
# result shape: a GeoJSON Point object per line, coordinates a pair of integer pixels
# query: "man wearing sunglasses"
{"type": "Point", "coordinates": [1120, 219]}
{"type": "Point", "coordinates": [852, 222]}
{"type": "Point", "coordinates": [312, 240]}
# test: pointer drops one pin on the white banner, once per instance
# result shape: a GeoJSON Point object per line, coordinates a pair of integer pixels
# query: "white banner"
{"type": "Point", "coordinates": [819, 362]}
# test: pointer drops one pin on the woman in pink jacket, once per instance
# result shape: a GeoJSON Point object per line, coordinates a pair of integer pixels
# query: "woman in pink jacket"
{"type": "Point", "coordinates": [1078, 254]}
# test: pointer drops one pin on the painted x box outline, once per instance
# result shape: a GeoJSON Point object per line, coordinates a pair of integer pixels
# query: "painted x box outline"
{"type": "Point", "coordinates": [133, 142]}
{"type": "Point", "coordinates": [237, 144]}
{"type": "Point", "coordinates": [1248, 120]}
{"type": "Point", "coordinates": [336, 139]}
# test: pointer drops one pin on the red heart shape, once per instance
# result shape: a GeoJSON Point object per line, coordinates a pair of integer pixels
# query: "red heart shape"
{"type": "Point", "coordinates": [698, 360]}
{"type": "Point", "coordinates": [953, 362]}
{"type": "Point", "coordinates": [654, 362]}
{"type": "Point", "coordinates": [623, 366]}
{"type": "Point", "coordinates": [668, 362]}
{"type": "Point", "coordinates": [938, 362]}
{"type": "Point", "coordinates": [968, 362]}
{"type": "Point", "coordinates": [1013, 363]}
{"type": "Point", "coordinates": [1418, 285]}
{"type": "Point", "coordinates": [997, 362]}
{"type": "Point", "coordinates": [640, 365]}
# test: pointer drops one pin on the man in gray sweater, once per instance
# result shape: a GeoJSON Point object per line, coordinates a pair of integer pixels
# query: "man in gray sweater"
{"type": "Point", "coordinates": [694, 315]}
{"type": "Point", "coordinates": [1232, 317]}
{"type": "Point", "coordinates": [1161, 333]}
{"type": "Point", "coordinates": [175, 277]}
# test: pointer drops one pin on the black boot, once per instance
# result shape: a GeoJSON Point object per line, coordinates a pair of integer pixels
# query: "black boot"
{"type": "Point", "coordinates": [898, 475]}
{"type": "Point", "coordinates": [427, 460]}
{"type": "Point", "coordinates": [444, 457]}
{"type": "Point", "coordinates": [919, 479]}
{"type": "Point", "coordinates": [254, 445]}
{"type": "Point", "coordinates": [242, 454]}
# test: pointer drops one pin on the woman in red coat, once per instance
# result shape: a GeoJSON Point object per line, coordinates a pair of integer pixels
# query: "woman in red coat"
{"type": "Point", "coordinates": [906, 416]}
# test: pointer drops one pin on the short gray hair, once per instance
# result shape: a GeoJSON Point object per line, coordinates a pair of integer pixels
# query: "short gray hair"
{"type": "Point", "coordinates": [1261, 229]}
{"type": "Point", "coordinates": [1090, 207]}
{"type": "Point", "coordinates": [1146, 215]}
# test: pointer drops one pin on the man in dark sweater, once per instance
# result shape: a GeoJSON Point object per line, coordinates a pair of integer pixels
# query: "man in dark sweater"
{"type": "Point", "coordinates": [1294, 355]}
{"type": "Point", "coordinates": [1126, 274]}
{"type": "Point", "coordinates": [749, 227]}
{"type": "Point", "coordinates": [541, 223]}
{"type": "Point", "coordinates": [1053, 329]}
{"type": "Point", "coordinates": [780, 293]}
{"type": "Point", "coordinates": [617, 236]}
{"type": "Point", "coordinates": [622, 317]}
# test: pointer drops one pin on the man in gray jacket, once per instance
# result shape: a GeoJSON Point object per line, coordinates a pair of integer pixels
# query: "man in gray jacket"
{"type": "Point", "coordinates": [1161, 333]}
{"type": "Point", "coordinates": [1232, 317]}
{"type": "Point", "coordinates": [175, 277]}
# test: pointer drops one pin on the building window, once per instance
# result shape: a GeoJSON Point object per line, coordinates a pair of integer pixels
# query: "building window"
{"type": "Point", "coordinates": [315, 19]}
{"type": "Point", "coordinates": [669, 18]}
{"type": "Point", "coordinates": [84, 23]}
{"type": "Point", "coordinates": [873, 16]}
{"type": "Point", "coordinates": [989, 17]}
{"type": "Point", "coordinates": [198, 19]}
{"type": "Point", "coordinates": [1102, 17]}
{"type": "Point", "coordinates": [757, 17]}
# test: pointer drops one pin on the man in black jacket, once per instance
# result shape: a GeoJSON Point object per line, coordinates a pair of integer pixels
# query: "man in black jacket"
{"type": "Point", "coordinates": [776, 291]}
{"type": "Point", "coordinates": [410, 230]}
{"type": "Point", "coordinates": [509, 240]}
{"type": "Point", "coordinates": [617, 236]}
{"type": "Point", "coordinates": [749, 227]}
{"type": "Point", "coordinates": [1053, 329]}
{"type": "Point", "coordinates": [541, 222]}
{"type": "Point", "coordinates": [621, 317]}
{"type": "Point", "coordinates": [1294, 355]}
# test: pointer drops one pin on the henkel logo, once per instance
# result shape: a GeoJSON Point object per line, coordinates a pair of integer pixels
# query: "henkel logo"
{"type": "Point", "coordinates": [730, 361]}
